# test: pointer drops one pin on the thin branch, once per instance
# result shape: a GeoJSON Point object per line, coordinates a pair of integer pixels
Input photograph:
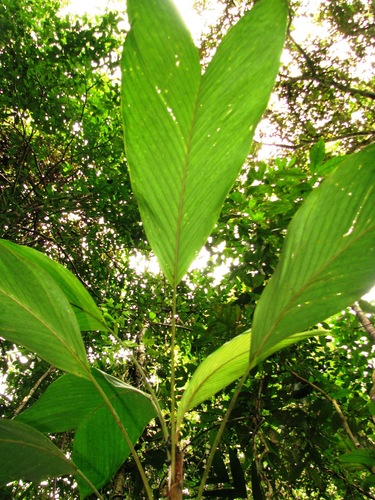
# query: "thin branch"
{"type": "Point", "coordinates": [33, 390]}
{"type": "Point", "coordinates": [335, 405]}
{"type": "Point", "coordinates": [305, 142]}
{"type": "Point", "coordinates": [365, 322]}
{"type": "Point", "coordinates": [66, 254]}
{"type": "Point", "coordinates": [220, 433]}
{"type": "Point", "coordinates": [118, 489]}
{"type": "Point", "coordinates": [317, 74]}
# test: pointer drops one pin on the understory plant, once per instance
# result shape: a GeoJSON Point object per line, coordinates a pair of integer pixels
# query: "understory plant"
{"type": "Point", "coordinates": [187, 134]}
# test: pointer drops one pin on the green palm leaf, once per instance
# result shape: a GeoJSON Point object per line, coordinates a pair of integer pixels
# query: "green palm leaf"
{"type": "Point", "coordinates": [35, 313]}
{"type": "Point", "coordinates": [186, 134]}
{"type": "Point", "coordinates": [327, 262]}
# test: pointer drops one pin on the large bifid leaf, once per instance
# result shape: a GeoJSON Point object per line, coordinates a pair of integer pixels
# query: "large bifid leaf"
{"type": "Point", "coordinates": [328, 258]}
{"type": "Point", "coordinates": [71, 403]}
{"type": "Point", "coordinates": [187, 135]}
{"type": "Point", "coordinates": [35, 313]}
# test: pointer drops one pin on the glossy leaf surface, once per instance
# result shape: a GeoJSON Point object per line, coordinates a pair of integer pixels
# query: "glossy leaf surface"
{"type": "Point", "coordinates": [27, 454]}
{"type": "Point", "coordinates": [327, 261]}
{"type": "Point", "coordinates": [35, 313]}
{"type": "Point", "coordinates": [187, 135]}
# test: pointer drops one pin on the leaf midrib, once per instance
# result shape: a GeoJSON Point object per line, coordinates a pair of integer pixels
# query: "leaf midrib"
{"type": "Point", "coordinates": [183, 185]}
{"type": "Point", "coordinates": [49, 328]}
{"type": "Point", "coordinates": [293, 299]}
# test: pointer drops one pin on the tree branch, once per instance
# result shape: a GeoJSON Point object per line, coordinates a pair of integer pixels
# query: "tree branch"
{"type": "Point", "coordinates": [365, 322]}
{"type": "Point", "coordinates": [335, 405]}
{"type": "Point", "coordinates": [32, 390]}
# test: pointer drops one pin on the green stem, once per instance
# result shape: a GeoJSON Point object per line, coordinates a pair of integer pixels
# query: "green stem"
{"type": "Point", "coordinates": [153, 397]}
{"type": "Point", "coordinates": [148, 385]}
{"type": "Point", "coordinates": [87, 480]}
{"type": "Point", "coordinates": [173, 389]}
{"type": "Point", "coordinates": [220, 432]}
{"type": "Point", "coordinates": [126, 437]}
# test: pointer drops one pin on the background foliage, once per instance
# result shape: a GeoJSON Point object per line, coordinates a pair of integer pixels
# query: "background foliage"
{"type": "Point", "coordinates": [64, 191]}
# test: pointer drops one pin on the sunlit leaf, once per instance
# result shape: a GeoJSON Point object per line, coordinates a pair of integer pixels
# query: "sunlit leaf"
{"type": "Point", "coordinates": [87, 313]}
{"type": "Point", "coordinates": [187, 135]}
{"type": "Point", "coordinates": [27, 454]}
{"type": "Point", "coordinates": [317, 155]}
{"type": "Point", "coordinates": [35, 313]}
{"type": "Point", "coordinates": [327, 261]}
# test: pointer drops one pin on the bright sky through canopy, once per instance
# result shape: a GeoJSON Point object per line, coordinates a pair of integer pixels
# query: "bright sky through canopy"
{"type": "Point", "coordinates": [195, 22]}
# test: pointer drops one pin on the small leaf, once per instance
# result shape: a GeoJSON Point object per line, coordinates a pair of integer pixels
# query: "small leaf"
{"type": "Point", "coordinates": [35, 313]}
{"type": "Point", "coordinates": [87, 313]}
{"type": "Point", "coordinates": [327, 261]}
{"type": "Point", "coordinates": [328, 166]}
{"type": "Point", "coordinates": [363, 457]}
{"type": "Point", "coordinates": [28, 455]}
{"type": "Point", "coordinates": [317, 155]}
{"type": "Point", "coordinates": [187, 135]}
{"type": "Point", "coordinates": [366, 307]}
{"type": "Point", "coordinates": [237, 474]}
{"type": "Point", "coordinates": [219, 469]}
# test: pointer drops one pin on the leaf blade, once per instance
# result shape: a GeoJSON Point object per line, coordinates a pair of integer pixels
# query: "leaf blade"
{"type": "Point", "coordinates": [87, 313]}
{"type": "Point", "coordinates": [71, 403]}
{"type": "Point", "coordinates": [225, 365]}
{"type": "Point", "coordinates": [36, 314]}
{"type": "Point", "coordinates": [99, 448]}
{"type": "Point", "coordinates": [157, 41]}
{"type": "Point", "coordinates": [326, 262]}
{"type": "Point", "coordinates": [184, 159]}
{"type": "Point", "coordinates": [30, 455]}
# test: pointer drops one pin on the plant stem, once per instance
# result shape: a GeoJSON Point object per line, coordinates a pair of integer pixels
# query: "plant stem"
{"type": "Point", "coordinates": [149, 388]}
{"type": "Point", "coordinates": [87, 480]}
{"type": "Point", "coordinates": [32, 390]}
{"type": "Point", "coordinates": [220, 432]}
{"type": "Point", "coordinates": [126, 437]}
{"type": "Point", "coordinates": [153, 397]}
{"type": "Point", "coordinates": [173, 389]}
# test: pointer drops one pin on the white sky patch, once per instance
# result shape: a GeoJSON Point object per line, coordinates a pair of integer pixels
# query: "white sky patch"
{"type": "Point", "coordinates": [370, 296]}
{"type": "Point", "coordinates": [3, 384]}
{"type": "Point", "coordinates": [142, 264]}
{"type": "Point", "coordinates": [195, 22]}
